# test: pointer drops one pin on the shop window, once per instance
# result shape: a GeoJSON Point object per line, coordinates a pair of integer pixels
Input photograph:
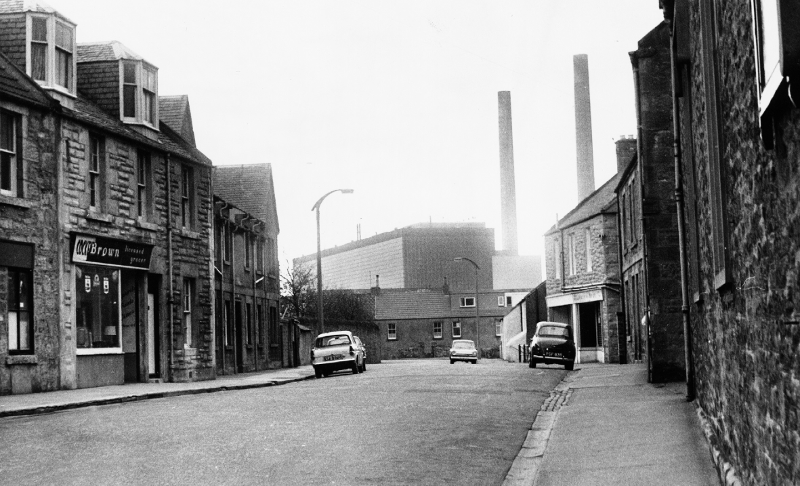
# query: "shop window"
{"type": "Point", "coordinates": [188, 300]}
{"type": "Point", "coordinates": [97, 155]}
{"type": "Point", "coordinates": [10, 159]}
{"type": "Point", "coordinates": [437, 330]}
{"type": "Point", "coordinates": [98, 307]}
{"type": "Point", "coordinates": [20, 316]}
{"type": "Point", "coordinates": [456, 329]}
{"type": "Point", "coordinates": [392, 332]}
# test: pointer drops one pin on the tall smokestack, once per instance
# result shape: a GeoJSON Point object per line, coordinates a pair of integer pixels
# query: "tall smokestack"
{"type": "Point", "coordinates": [583, 126]}
{"type": "Point", "coordinates": [508, 192]}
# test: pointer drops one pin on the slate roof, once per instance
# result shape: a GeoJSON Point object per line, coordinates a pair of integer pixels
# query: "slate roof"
{"type": "Point", "coordinates": [602, 200]}
{"type": "Point", "coordinates": [17, 85]}
{"type": "Point", "coordinates": [105, 51]}
{"type": "Point", "coordinates": [250, 188]}
{"type": "Point", "coordinates": [415, 304]}
{"type": "Point", "coordinates": [19, 6]}
{"type": "Point", "coordinates": [175, 112]}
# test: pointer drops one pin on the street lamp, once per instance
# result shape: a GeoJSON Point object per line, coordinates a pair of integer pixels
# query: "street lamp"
{"type": "Point", "coordinates": [477, 307]}
{"type": "Point", "coordinates": [319, 257]}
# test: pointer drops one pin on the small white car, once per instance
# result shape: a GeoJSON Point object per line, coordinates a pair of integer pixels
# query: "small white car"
{"type": "Point", "coordinates": [463, 350]}
{"type": "Point", "coordinates": [335, 351]}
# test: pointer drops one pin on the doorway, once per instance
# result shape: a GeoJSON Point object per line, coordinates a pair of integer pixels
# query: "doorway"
{"type": "Point", "coordinates": [239, 336]}
{"type": "Point", "coordinates": [153, 329]}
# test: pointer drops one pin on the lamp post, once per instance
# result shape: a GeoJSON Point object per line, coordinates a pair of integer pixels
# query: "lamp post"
{"type": "Point", "coordinates": [316, 206]}
{"type": "Point", "coordinates": [477, 307]}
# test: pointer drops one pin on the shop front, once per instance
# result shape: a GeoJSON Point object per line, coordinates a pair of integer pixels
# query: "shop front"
{"type": "Point", "coordinates": [114, 311]}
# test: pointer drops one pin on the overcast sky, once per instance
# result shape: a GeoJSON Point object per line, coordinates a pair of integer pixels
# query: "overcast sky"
{"type": "Point", "coordinates": [394, 99]}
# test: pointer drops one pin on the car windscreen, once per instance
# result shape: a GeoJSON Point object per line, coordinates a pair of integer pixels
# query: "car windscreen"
{"type": "Point", "coordinates": [332, 341]}
{"type": "Point", "coordinates": [553, 331]}
{"type": "Point", "coordinates": [463, 345]}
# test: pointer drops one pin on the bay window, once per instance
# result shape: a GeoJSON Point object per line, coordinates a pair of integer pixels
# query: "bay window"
{"type": "Point", "coordinates": [139, 97]}
{"type": "Point", "coordinates": [51, 52]}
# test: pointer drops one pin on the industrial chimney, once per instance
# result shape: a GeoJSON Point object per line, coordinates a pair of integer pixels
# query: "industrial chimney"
{"type": "Point", "coordinates": [583, 126]}
{"type": "Point", "coordinates": [508, 193]}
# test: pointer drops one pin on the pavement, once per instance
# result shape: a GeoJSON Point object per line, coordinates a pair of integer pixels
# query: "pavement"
{"type": "Point", "coordinates": [35, 403]}
{"type": "Point", "coordinates": [604, 424]}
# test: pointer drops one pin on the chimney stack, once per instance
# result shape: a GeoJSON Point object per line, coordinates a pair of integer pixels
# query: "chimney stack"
{"type": "Point", "coordinates": [583, 126]}
{"type": "Point", "coordinates": [626, 150]}
{"type": "Point", "coordinates": [508, 193]}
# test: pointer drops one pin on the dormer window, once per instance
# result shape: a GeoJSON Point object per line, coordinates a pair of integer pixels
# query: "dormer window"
{"type": "Point", "coordinates": [139, 93]}
{"type": "Point", "coordinates": [51, 52]}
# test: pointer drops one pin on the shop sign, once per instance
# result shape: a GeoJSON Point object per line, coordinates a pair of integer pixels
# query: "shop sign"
{"type": "Point", "coordinates": [105, 251]}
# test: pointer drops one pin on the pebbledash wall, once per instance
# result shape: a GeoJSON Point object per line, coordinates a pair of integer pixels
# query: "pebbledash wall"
{"type": "Point", "coordinates": [743, 227]}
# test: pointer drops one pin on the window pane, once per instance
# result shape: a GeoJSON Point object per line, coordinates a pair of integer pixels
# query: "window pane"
{"type": "Point", "coordinates": [39, 61]}
{"type": "Point", "coordinates": [149, 109]}
{"type": "Point", "coordinates": [64, 69]}
{"type": "Point", "coordinates": [5, 172]}
{"type": "Point", "coordinates": [129, 101]}
{"type": "Point", "coordinates": [24, 332]}
{"type": "Point", "coordinates": [64, 37]}
{"type": "Point", "coordinates": [129, 72]}
{"type": "Point", "coordinates": [6, 132]}
{"type": "Point", "coordinates": [13, 336]}
{"type": "Point", "coordinates": [39, 29]}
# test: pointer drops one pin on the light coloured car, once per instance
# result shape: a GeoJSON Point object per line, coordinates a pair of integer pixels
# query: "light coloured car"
{"type": "Point", "coordinates": [363, 350]}
{"type": "Point", "coordinates": [335, 351]}
{"type": "Point", "coordinates": [463, 350]}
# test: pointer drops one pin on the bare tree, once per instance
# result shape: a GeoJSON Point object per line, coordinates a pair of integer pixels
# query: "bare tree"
{"type": "Point", "coordinates": [297, 291]}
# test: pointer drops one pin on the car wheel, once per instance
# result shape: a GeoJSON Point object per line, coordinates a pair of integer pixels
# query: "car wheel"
{"type": "Point", "coordinates": [569, 366]}
{"type": "Point", "coordinates": [356, 369]}
{"type": "Point", "coordinates": [451, 361]}
{"type": "Point", "coordinates": [474, 361]}
{"type": "Point", "coordinates": [532, 364]}
{"type": "Point", "coordinates": [363, 366]}
{"type": "Point", "coordinates": [317, 373]}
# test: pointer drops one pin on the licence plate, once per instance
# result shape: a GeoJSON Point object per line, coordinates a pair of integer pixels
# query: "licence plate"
{"type": "Point", "coordinates": [553, 355]}
{"type": "Point", "coordinates": [332, 357]}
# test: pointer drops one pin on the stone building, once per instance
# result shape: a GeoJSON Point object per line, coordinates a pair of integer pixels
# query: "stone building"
{"type": "Point", "coordinates": [29, 243]}
{"type": "Point", "coordinates": [583, 280]}
{"type": "Point", "coordinates": [132, 213]}
{"type": "Point", "coordinates": [738, 135]}
{"type": "Point", "coordinates": [648, 219]}
{"type": "Point", "coordinates": [248, 332]}
{"type": "Point", "coordinates": [422, 323]}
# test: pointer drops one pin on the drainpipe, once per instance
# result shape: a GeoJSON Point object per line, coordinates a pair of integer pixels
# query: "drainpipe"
{"type": "Point", "coordinates": [679, 202]}
{"type": "Point", "coordinates": [221, 271]}
{"type": "Point", "coordinates": [623, 313]}
{"type": "Point", "coordinates": [233, 295]}
{"type": "Point", "coordinates": [171, 298]}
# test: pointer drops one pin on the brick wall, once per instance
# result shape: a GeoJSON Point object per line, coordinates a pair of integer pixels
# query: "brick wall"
{"type": "Point", "coordinates": [745, 334]}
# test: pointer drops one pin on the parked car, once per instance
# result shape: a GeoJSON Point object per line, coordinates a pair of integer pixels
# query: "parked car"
{"type": "Point", "coordinates": [335, 351]}
{"type": "Point", "coordinates": [553, 344]}
{"type": "Point", "coordinates": [363, 350]}
{"type": "Point", "coordinates": [463, 350]}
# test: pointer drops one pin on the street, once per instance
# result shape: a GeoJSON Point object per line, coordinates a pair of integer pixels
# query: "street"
{"type": "Point", "coordinates": [400, 422]}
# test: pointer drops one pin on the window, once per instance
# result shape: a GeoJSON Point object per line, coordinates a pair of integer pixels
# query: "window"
{"type": "Point", "coordinates": [139, 93]}
{"type": "Point", "coordinates": [557, 257]}
{"type": "Point", "coordinates": [97, 154]}
{"type": "Point", "coordinates": [260, 254]}
{"type": "Point", "coordinates": [501, 301]}
{"type": "Point", "coordinates": [714, 146]}
{"type": "Point", "coordinates": [248, 319]}
{"type": "Point", "coordinates": [273, 326]}
{"type": "Point", "coordinates": [588, 235]}
{"type": "Point", "coordinates": [20, 317]}
{"type": "Point", "coordinates": [498, 327]}
{"type": "Point", "coordinates": [456, 329]}
{"type": "Point", "coordinates": [247, 251]}
{"type": "Point", "coordinates": [51, 54]}
{"type": "Point", "coordinates": [508, 300]}
{"type": "Point", "coordinates": [437, 330]}
{"type": "Point", "coordinates": [98, 307]}
{"type": "Point", "coordinates": [187, 201]}
{"type": "Point", "coordinates": [392, 332]}
{"type": "Point", "coordinates": [228, 323]}
{"type": "Point", "coordinates": [260, 323]}
{"type": "Point", "coordinates": [467, 301]}
{"type": "Point", "coordinates": [10, 160]}
{"type": "Point", "coordinates": [228, 243]}
{"type": "Point", "coordinates": [187, 295]}
{"type": "Point", "coordinates": [571, 254]}
{"type": "Point", "coordinates": [142, 184]}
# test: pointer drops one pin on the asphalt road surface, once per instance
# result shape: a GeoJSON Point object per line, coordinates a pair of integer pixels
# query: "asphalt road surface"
{"type": "Point", "coordinates": [406, 422]}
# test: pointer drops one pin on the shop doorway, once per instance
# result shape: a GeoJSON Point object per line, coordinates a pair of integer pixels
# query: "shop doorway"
{"type": "Point", "coordinates": [153, 330]}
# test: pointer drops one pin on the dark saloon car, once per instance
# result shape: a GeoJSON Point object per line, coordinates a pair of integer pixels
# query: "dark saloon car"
{"type": "Point", "coordinates": [553, 344]}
